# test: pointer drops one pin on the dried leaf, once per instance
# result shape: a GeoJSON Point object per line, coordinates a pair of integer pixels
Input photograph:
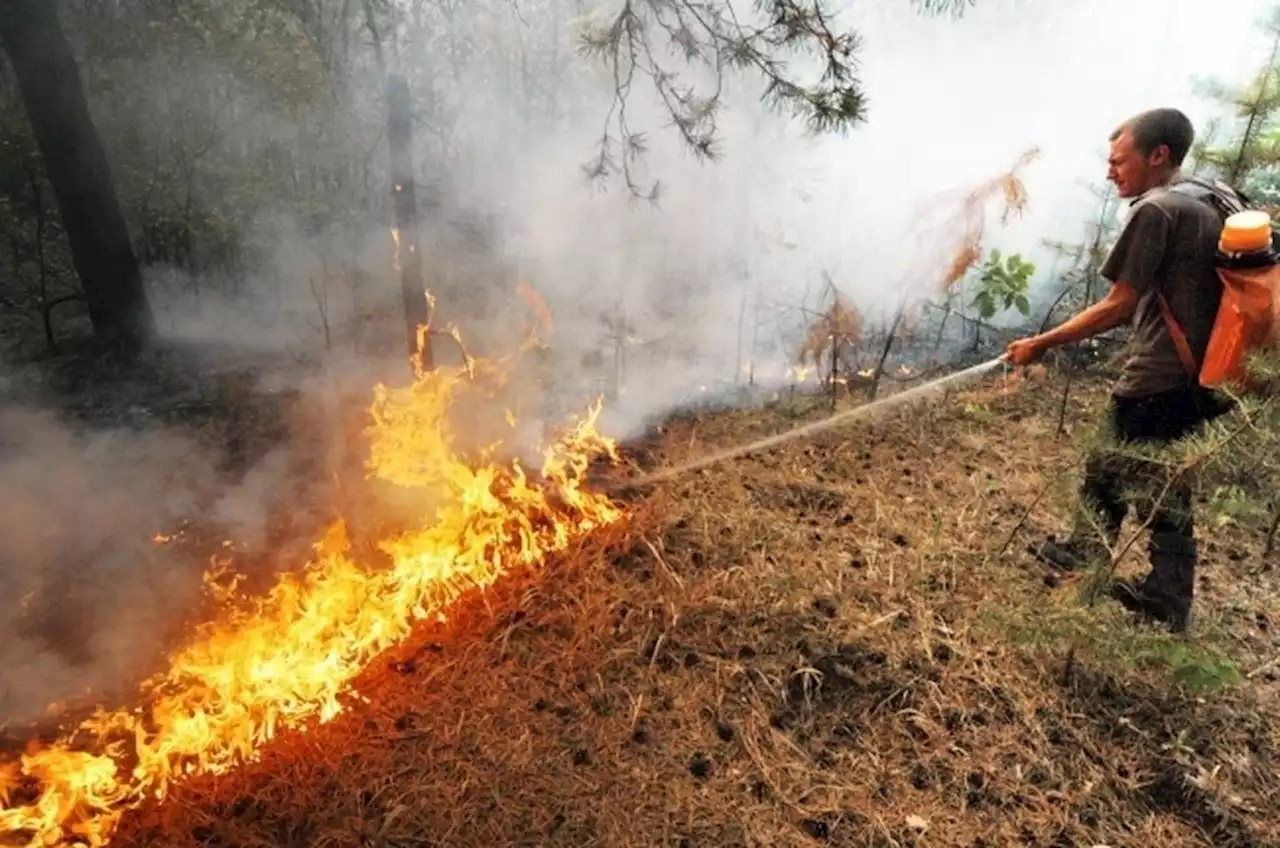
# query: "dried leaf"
{"type": "Point", "coordinates": [842, 324]}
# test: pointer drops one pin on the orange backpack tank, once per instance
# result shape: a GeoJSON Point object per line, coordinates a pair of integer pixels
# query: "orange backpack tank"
{"type": "Point", "coordinates": [1248, 319]}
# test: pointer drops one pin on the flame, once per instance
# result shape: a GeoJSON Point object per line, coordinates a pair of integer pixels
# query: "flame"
{"type": "Point", "coordinates": [535, 302]}
{"type": "Point", "coordinates": [801, 373]}
{"type": "Point", "coordinates": [288, 659]}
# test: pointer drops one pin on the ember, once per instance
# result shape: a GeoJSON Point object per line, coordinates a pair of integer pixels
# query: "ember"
{"type": "Point", "coordinates": [287, 659]}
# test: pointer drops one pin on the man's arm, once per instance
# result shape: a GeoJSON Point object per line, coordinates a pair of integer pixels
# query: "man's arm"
{"type": "Point", "coordinates": [1133, 266]}
{"type": "Point", "coordinates": [1113, 310]}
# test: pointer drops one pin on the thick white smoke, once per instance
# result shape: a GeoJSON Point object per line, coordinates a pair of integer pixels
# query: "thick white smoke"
{"type": "Point", "coordinates": [665, 301]}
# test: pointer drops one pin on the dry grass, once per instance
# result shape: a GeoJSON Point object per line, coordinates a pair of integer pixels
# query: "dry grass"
{"type": "Point", "coordinates": [792, 649]}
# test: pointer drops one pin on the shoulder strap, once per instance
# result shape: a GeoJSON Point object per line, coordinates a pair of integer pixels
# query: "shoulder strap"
{"type": "Point", "coordinates": [1224, 198]}
{"type": "Point", "coordinates": [1227, 201]}
{"type": "Point", "coordinates": [1179, 339]}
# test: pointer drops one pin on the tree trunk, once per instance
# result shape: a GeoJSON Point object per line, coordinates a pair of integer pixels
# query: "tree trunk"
{"type": "Point", "coordinates": [37, 199]}
{"type": "Point", "coordinates": [942, 326]}
{"type": "Point", "coordinates": [76, 164]}
{"type": "Point", "coordinates": [1239, 166]}
{"type": "Point", "coordinates": [835, 363]}
{"type": "Point", "coordinates": [884, 351]}
{"type": "Point", "coordinates": [400, 140]}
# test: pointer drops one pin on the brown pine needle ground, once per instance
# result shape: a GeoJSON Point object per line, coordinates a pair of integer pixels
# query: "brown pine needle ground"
{"type": "Point", "coordinates": [815, 646]}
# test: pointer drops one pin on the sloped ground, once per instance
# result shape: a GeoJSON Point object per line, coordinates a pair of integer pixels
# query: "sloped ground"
{"type": "Point", "coordinates": [822, 645]}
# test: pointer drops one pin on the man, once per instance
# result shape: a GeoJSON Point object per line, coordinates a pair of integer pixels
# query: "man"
{"type": "Point", "coordinates": [1165, 253]}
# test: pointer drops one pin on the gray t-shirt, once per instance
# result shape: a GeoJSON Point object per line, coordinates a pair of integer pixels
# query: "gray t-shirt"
{"type": "Point", "coordinates": [1168, 247]}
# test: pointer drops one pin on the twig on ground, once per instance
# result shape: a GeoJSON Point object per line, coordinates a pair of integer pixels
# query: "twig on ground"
{"type": "Point", "coordinates": [1269, 547]}
{"type": "Point", "coordinates": [1062, 408]}
{"type": "Point", "coordinates": [882, 620]}
{"type": "Point", "coordinates": [1022, 520]}
{"type": "Point", "coordinates": [675, 578]}
{"type": "Point", "coordinates": [1264, 667]}
{"type": "Point", "coordinates": [1013, 534]}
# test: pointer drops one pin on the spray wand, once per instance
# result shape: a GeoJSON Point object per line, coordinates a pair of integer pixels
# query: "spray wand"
{"type": "Point", "coordinates": [812, 427]}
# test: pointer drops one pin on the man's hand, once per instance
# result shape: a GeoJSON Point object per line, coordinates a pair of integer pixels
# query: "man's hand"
{"type": "Point", "coordinates": [1025, 351]}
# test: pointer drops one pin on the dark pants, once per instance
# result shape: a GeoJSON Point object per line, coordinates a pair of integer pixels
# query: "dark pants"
{"type": "Point", "coordinates": [1114, 482]}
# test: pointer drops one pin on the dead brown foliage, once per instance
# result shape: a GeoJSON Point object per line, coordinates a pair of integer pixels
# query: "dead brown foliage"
{"type": "Point", "coordinates": [967, 228]}
{"type": "Point", "coordinates": [839, 326]}
{"type": "Point", "coordinates": [784, 650]}
{"type": "Point", "coordinates": [961, 233]}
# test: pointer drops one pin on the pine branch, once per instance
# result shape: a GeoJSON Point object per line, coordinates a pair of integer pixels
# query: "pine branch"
{"type": "Point", "coordinates": [655, 38]}
{"type": "Point", "coordinates": [955, 8]}
{"type": "Point", "coordinates": [1254, 106]}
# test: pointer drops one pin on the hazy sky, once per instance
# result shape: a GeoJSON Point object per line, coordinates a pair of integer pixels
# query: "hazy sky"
{"type": "Point", "coordinates": [954, 102]}
{"type": "Point", "coordinates": [963, 97]}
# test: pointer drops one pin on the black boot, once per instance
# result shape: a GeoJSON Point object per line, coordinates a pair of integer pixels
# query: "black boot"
{"type": "Point", "coordinates": [1085, 548]}
{"type": "Point", "coordinates": [1077, 553]}
{"type": "Point", "coordinates": [1166, 593]}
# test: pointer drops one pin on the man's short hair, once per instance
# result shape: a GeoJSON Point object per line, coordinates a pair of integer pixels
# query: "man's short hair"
{"type": "Point", "coordinates": [1155, 127]}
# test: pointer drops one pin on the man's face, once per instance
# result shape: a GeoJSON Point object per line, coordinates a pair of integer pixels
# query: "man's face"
{"type": "Point", "coordinates": [1131, 171]}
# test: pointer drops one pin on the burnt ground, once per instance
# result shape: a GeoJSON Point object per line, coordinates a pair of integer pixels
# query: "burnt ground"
{"type": "Point", "coordinates": [840, 642]}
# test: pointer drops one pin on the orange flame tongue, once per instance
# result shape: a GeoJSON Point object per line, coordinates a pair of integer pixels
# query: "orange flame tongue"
{"type": "Point", "coordinates": [289, 658]}
{"type": "Point", "coordinates": [535, 302]}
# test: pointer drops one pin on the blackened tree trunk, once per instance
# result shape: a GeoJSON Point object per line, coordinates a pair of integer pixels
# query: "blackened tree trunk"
{"type": "Point", "coordinates": [76, 164]}
{"type": "Point", "coordinates": [400, 141]}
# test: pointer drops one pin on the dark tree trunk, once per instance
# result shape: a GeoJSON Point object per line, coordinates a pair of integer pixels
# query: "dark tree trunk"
{"type": "Point", "coordinates": [1241, 163]}
{"type": "Point", "coordinates": [884, 351]}
{"type": "Point", "coordinates": [400, 140]}
{"type": "Point", "coordinates": [76, 164]}
{"type": "Point", "coordinates": [46, 311]}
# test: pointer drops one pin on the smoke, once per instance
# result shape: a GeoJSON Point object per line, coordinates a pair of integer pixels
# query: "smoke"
{"type": "Point", "coordinates": [719, 275]}
{"type": "Point", "coordinates": [655, 306]}
{"type": "Point", "coordinates": [85, 591]}
{"type": "Point", "coordinates": [104, 539]}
